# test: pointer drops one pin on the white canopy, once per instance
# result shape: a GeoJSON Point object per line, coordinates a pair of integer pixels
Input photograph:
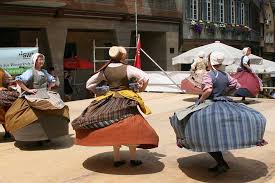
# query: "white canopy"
{"type": "Point", "coordinates": [267, 66]}
{"type": "Point", "coordinates": [232, 55]}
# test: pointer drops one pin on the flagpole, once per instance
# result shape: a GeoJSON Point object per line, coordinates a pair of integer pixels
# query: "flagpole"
{"type": "Point", "coordinates": [136, 17]}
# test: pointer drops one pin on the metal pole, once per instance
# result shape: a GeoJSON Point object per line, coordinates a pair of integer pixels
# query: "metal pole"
{"type": "Point", "coordinates": [160, 68]}
{"type": "Point", "coordinates": [36, 42]}
{"type": "Point", "coordinates": [94, 55]}
{"type": "Point", "coordinates": [136, 17]}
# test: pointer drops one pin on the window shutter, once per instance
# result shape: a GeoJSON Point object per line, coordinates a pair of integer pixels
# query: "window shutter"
{"type": "Point", "coordinates": [216, 10]}
{"type": "Point", "coordinates": [238, 17]}
{"type": "Point", "coordinates": [246, 14]}
{"type": "Point", "coordinates": [227, 4]}
{"type": "Point", "coordinates": [204, 9]}
{"type": "Point", "coordinates": [188, 9]}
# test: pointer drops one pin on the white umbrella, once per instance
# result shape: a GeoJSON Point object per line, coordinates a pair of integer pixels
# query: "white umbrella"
{"type": "Point", "coordinates": [232, 55]}
{"type": "Point", "coordinates": [266, 66]}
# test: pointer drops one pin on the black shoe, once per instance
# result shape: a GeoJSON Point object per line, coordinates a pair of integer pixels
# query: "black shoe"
{"type": "Point", "coordinates": [40, 143]}
{"type": "Point", "coordinates": [219, 169]}
{"type": "Point", "coordinates": [213, 169]}
{"type": "Point", "coordinates": [7, 136]}
{"type": "Point", "coordinates": [119, 163]}
{"type": "Point", "coordinates": [135, 162]}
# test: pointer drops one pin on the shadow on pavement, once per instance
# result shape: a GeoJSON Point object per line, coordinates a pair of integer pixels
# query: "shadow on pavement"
{"type": "Point", "coordinates": [192, 99]}
{"type": "Point", "coordinates": [57, 143]}
{"type": "Point", "coordinates": [103, 163]}
{"type": "Point", "coordinates": [241, 169]}
{"type": "Point", "coordinates": [248, 101]}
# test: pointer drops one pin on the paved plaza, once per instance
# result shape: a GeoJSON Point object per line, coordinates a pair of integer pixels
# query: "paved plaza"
{"type": "Point", "coordinates": [62, 161]}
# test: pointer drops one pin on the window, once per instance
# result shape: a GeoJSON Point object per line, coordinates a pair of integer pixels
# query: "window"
{"type": "Point", "coordinates": [209, 10]}
{"type": "Point", "coordinates": [233, 12]}
{"type": "Point", "coordinates": [194, 9]}
{"type": "Point", "coordinates": [221, 8]}
{"type": "Point", "coordinates": [242, 14]}
{"type": "Point", "coordinates": [161, 4]}
{"type": "Point", "coordinates": [70, 50]}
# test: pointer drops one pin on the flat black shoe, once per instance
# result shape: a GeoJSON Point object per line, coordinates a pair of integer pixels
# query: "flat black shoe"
{"type": "Point", "coordinates": [47, 141]}
{"type": "Point", "coordinates": [135, 162]}
{"type": "Point", "coordinates": [119, 163]}
{"type": "Point", "coordinates": [40, 143]}
{"type": "Point", "coordinates": [226, 165]}
{"type": "Point", "coordinates": [219, 169]}
{"type": "Point", "coordinates": [7, 136]}
{"type": "Point", "coordinates": [213, 169]}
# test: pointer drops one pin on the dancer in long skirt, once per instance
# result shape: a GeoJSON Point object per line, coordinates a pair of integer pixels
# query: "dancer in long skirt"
{"type": "Point", "coordinates": [250, 83]}
{"type": "Point", "coordinates": [193, 84]}
{"type": "Point", "coordinates": [38, 114]}
{"type": "Point", "coordinates": [113, 118]}
{"type": "Point", "coordinates": [7, 97]}
{"type": "Point", "coordinates": [216, 123]}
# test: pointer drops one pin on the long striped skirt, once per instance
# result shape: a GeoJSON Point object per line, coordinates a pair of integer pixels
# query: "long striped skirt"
{"type": "Point", "coordinates": [114, 121]}
{"type": "Point", "coordinates": [221, 126]}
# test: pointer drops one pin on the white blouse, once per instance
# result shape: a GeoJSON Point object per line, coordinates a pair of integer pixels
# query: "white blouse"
{"type": "Point", "coordinates": [141, 76]}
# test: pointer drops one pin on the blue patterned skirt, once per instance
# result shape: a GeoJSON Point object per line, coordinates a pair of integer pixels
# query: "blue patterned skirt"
{"type": "Point", "coordinates": [221, 126]}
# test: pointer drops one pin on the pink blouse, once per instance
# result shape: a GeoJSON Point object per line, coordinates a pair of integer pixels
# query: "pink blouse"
{"type": "Point", "coordinates": [141, 76]}
{"type": "Point", "coordinates": [207, 82]}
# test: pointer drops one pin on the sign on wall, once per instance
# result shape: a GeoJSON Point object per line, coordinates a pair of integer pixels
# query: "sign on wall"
{"type": "Point", "coordinates": [16, 60]}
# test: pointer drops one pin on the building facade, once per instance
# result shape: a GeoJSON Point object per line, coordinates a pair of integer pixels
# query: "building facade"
{"type": "Point", "coordinates": [68, 28]}
{"type": "Point", "coordinates": [233, 22]}
{"type": "Point", "coordinates": [268, 26]}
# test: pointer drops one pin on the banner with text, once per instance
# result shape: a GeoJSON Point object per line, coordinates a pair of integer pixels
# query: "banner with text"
{"type": "Point", "coordinates": [16, 60]}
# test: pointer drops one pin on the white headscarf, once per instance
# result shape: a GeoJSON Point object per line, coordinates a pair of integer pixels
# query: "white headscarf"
{"type": "Point", "coordinates": [245, 50]}
{"type": "Point", "coordinates": [216, 58]}
{"type": "Point", "coordinates": [201, 54]}
{"type": "Point", "coordinates": [35, 56]}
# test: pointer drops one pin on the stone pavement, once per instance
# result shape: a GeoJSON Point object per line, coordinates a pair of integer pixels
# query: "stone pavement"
{"type": "Point", "coordinates": [62, 161]}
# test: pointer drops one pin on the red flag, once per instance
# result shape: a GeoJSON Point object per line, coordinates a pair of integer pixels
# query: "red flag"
{"type": "Point", "coordinates": [137, 63]}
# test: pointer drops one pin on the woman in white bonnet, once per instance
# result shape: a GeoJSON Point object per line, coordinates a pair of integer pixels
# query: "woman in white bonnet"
{"type": "Point", "coordinates": [192, 84]}
{"type": "Point", "coordinates": [245, 73]}
{"type": "Point", "coordinates": [38, 115]}
{"type": "Point", "coordinates": [113, 118]}
{"type": "Point", "coordinates": [215, 122]}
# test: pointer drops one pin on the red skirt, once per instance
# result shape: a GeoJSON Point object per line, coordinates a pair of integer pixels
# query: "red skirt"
{"type": "Point", "coordinates": [190, 87]}
{"type": "Point", "coordinates": [134, 130]}
{"type": "Point", "coordinates": [249, 81]}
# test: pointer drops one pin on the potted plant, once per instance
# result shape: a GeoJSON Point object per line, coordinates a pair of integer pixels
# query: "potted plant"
{"type": "Point", "coordinates": [196, 26]}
